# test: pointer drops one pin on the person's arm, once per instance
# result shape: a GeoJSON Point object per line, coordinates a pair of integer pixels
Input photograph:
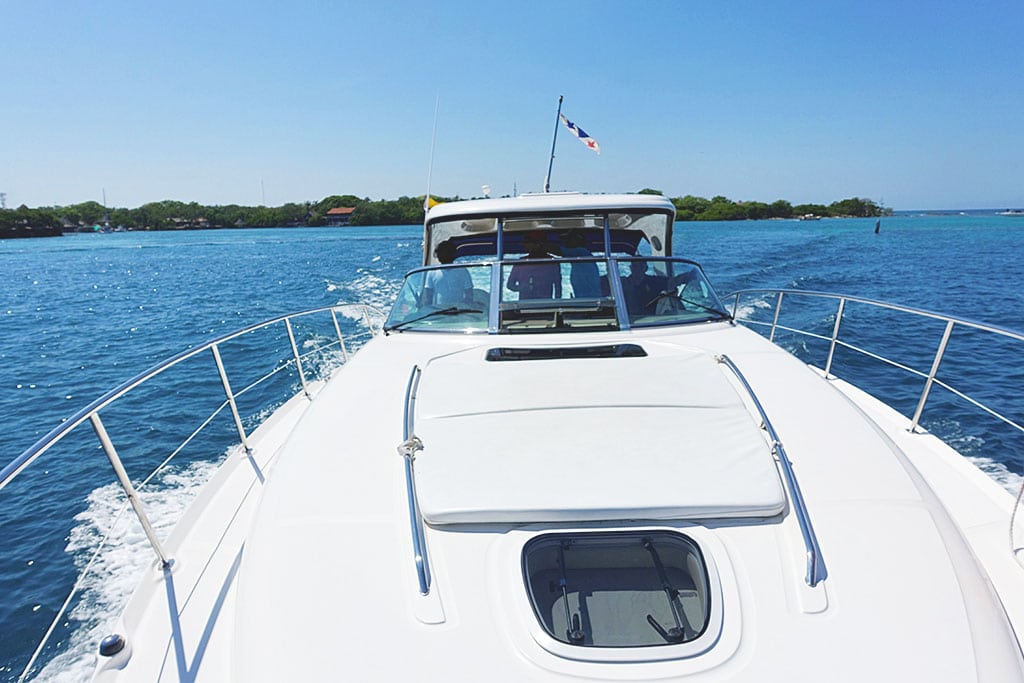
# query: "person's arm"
{"type": "Point", "coordinates": [427, 295]}
{"type": "Point", "coordinates": [467, 287]}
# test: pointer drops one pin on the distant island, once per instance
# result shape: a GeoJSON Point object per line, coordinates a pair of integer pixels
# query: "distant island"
{"type": "Point", "coordinates": [341, 210]}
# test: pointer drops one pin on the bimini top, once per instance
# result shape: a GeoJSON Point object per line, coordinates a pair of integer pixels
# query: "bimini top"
{"type": "Point", "coordinates": [547, 201]}
{"type": "Point", "coordinates": [608, 223]}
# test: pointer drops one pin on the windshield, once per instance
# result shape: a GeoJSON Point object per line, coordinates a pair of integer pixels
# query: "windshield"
{"type": "Point", "coordinates": [666, 291]}
{"type": "Point", "coordinates": [447, 298]}
{"type": "Point", "coordinates": [539, 293]}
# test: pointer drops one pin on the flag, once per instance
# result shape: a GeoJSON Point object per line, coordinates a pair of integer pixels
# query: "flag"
{"type": "Point", "coordinates": [581, 134]}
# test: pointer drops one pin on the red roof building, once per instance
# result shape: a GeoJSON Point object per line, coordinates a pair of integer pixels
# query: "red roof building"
{"type": "Point", "coordinates": [340, 215]}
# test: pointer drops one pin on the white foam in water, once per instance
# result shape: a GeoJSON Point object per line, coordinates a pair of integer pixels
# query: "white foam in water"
{"type": "Point", "coordinates": [997, 470]}
{"type": "Point", "coordinates": [113, 576]}
{"type": "Point", "coordinates": [367, 288]}
{"type": "Point", "coordinates": [373, 289]}
{"type": "Point", "coordinates": [746, 310]}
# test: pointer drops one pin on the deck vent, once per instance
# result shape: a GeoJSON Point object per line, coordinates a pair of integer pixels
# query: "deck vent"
{"type": "Point", "coordinates": [561, 352]}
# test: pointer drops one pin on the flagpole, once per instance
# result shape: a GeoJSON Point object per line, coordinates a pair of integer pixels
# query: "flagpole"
{"type": "Point", "coordinates": [554, 138]}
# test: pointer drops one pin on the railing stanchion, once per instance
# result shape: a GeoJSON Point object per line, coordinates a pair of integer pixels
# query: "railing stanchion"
{"type": "Point", "coordinates": [298, 360]}
{"type": "Point", "coordinates": [341, 338]}
{"type": "Point", "coordinates": [126, 484]}
{"type": "Point", "coordinates": [366, 319]}
{"type": "Point", "coordinates": [835, 336]}
{"type": "Point", "coordinates": [775, 320]}
{"type": "Point", "coordinates": [231, 398]}
{"type": "Point", "coordinates": [931, 375]}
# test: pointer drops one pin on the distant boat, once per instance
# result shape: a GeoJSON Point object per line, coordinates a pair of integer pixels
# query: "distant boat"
{"type": "Point", "coordinates": [810, 217]}
{"type": "Point", "coordinates": [1011, 212]}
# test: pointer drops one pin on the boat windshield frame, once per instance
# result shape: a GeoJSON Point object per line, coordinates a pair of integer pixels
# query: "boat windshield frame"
{"type": "Point", "coordinates": [489, 299]}
{"type": "Point", "coordinates": [495, 229]}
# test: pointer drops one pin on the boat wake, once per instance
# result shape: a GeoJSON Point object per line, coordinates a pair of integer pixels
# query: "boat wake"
{"type": "Point", "coordinates": [367, 287]}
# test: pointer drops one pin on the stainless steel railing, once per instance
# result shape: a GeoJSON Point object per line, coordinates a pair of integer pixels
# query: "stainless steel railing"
{"type": "Point", "coordinates": [91, 412]}
{"type": "Point", "coordinates": [410, 445]}
{"type": "Point", "coordinates": [930, 378]}
{"type": "Point", "coordinates": [816, 570]}
{"type": "Point", "coordinates": [369, 325]}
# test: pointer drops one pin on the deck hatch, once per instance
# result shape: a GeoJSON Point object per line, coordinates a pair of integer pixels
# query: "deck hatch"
{"type": "Point", "coordinates": [622, 589]}
{"type": "Point", "coordinates": [562, 352]}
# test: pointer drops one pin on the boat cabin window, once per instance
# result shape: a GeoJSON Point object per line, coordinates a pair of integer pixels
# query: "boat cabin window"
{"type": "Point", "coordinates": [448, 298]}
{"type": "Point", "coordinates": [666, 291]}
{"type": "Point", "coordinates": [546, 294]}
{"type": "Point", "coordinates": [539, 293]}
{"type": "Point", "coordinates": [622, 589]}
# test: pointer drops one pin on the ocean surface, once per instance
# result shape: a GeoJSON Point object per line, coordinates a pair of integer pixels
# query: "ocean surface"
{"type": "Point", "coordinates": [80, 314]}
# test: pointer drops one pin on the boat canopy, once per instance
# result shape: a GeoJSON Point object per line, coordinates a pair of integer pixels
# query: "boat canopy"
{"type": "Point", "coordinates": [624, 224]}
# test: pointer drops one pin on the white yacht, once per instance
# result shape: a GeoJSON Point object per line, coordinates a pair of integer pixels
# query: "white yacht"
{"type": "Point", "coordinates": [563, 458]}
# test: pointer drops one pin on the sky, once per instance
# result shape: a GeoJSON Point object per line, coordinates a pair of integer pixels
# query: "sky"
{"type": "Point", "coordinates": [916, 105]}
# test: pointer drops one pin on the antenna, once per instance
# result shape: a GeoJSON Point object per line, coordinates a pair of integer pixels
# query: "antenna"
{"type": "Point", "coordinates": [430, 163]}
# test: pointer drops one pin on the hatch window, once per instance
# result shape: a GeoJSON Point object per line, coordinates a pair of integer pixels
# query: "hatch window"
{"type": "Point", "coordinates": [623, 589]}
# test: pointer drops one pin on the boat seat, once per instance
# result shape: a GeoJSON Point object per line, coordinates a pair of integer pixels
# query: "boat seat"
{"type": "Point", "coordinates": [658, 437]}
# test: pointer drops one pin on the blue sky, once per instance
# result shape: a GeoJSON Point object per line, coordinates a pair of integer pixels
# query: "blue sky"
{"type": "Point", "coordinates": [919, 105]}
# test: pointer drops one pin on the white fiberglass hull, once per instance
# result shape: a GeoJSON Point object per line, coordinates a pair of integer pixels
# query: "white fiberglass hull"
{"type": "Point", "coordinates": [297, 564]}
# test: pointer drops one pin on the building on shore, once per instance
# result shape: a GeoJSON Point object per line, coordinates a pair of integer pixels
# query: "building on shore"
{"type": "Point", "coordinates": [339, 216]}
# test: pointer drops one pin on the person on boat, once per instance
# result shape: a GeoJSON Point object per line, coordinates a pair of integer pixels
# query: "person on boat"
{"type": "Point", "coordinates": [586, 281]}
{"type": "Point", "coordinates": [536, 280]}
{"type": "Point", "coordinates": [640, 289]}
{"type": "Point", "coordinates": [447, 286]}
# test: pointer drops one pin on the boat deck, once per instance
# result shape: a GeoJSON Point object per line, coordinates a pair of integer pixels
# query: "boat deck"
{"type": "Point", "coordinates": [310, 561]}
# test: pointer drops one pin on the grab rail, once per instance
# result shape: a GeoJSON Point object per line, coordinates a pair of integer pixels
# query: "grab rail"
{"type": "Point", "coordinates": [816, 570]}
{"type": "Point", "coordinates": [410, 445]}
{"type": "Point", "coordinates": [930, 377]}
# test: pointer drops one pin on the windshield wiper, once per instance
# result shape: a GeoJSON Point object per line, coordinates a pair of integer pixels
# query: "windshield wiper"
{"type": "Point", "coordinates": [451, 310]}
{"type": "Point", "coordinates": [671, 294]}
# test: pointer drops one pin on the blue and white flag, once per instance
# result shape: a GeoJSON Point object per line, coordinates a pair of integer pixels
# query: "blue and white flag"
{"type": "Point", "coordinates": [581, 134]}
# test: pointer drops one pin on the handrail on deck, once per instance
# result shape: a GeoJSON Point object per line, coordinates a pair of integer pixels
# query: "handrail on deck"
{"type": "Point", "coordinates": [410, 445]}
{"type": "Point", "coordinates": [930, 377]}
{"type": "Point", "coordinates": [816, 570]}
{"type": "Point", "coordinates": [91, 412]}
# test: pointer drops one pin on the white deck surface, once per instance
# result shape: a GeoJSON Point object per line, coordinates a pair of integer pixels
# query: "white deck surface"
{"type": "Point", "coordinates": [311, 577]}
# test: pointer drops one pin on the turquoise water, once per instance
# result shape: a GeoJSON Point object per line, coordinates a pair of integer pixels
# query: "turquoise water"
{"type": "Point", "coordinates": [83, 313]}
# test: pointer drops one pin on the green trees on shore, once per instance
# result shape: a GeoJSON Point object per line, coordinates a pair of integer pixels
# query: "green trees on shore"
{"type": "Point", "coordinates": [690, 208]}
{"type": "Point", "coordinates": [174, 215]}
